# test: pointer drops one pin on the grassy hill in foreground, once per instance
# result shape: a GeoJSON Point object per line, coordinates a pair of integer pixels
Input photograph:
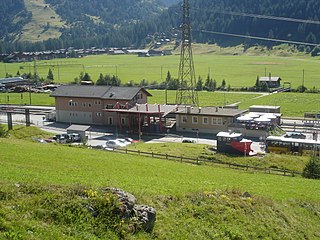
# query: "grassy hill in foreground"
{"type": "Point", "coordinates": [39, 200]}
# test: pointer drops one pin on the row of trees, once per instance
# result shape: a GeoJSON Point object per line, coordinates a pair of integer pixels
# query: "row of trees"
{"type": "Point", "coordinates": [170, 83]}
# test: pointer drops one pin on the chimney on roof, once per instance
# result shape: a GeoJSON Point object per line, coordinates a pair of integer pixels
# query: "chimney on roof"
{"type": "Point", "coordinates": [200, 109]}
{"type": "Point", "coordinates": [217, 109]}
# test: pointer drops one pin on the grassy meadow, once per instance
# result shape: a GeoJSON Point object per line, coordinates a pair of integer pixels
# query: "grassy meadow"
{"type": "Point", "coordinates": [191, 150]}
{"type": "Point", "coordinates": [237, 70]}
{"type": "Point", "coordinates": [292, 104]}
{"type": "Point", "coordinates": [42, 187]}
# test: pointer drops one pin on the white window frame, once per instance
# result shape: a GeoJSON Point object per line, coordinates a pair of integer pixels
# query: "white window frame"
{"type": "Point", "coordinates": [195, 120]}
{"type": "Point", "coordinates": [205, 122]}
{"type": "Point", "coordinates": [217, 121]}
{"type": "Point", "coordinates": [184, 119]}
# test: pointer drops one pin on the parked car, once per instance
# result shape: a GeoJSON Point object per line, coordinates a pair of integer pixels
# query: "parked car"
{"type": "Point", "coordinates": [76, 137]}
{"type": "Point", "coordinates": [62, 138]}
{"type": "Point", "coordinates": [123, 141]}
{"type": "Point", "coordinates": [113, 144]}
{"type": "Point", "coordinates": [295, 135]}
{"type": "Point", "coordinates": [188, 141]}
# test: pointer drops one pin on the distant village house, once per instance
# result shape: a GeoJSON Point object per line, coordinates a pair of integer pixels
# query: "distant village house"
{"type": "Point", "coordinates": [271, 82]}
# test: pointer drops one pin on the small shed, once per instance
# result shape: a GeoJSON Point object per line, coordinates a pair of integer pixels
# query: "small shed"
{"type": "Point", "coordinates": [80, 129]}
{"type": "Point", "coordinates": [271, 82]}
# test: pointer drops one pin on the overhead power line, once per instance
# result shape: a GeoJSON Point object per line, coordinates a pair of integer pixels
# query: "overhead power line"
{"type": "Point", "coordinates": [296, 20]}
{"type": "Point", "coordinates": [258, 38]}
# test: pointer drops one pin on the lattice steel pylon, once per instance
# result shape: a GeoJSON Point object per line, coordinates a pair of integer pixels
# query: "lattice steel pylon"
{"type": "Point", "coordinates": [186, 93]}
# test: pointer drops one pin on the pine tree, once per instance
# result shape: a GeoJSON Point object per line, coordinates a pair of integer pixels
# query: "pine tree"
{"type": "Point", "coordinates": [86, 77]}
{"type": "Point", "coordinates": [312, 169]}
{"type": "Point", "coordinates": [199, 86]}
{"type": "Point", "coordinates": [223, 84]}
{"type": "Point", "coordinates": [50, 76]}
{"type": "Point", "coordinates": [101, 80]}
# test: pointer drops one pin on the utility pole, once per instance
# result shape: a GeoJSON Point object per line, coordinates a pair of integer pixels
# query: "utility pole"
{"type": "Point", "coordinates": [186, 93]}
{"type": "Point", "coordinates": [5, 70]}
{"type": "Point", "coordinates": [303, 78]}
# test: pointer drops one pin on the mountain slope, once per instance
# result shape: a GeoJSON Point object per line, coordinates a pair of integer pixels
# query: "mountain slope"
{"type": "Point", "coordinates": [112, 23]}
{"type": "Point", "coordinates": [13, 16]}
{"type": "Point", "coordinates": [211, 16]}
{"type": "Point", "coordinates": [44, 24]}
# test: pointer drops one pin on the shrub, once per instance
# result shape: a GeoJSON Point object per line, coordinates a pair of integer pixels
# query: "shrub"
{"type": "Point", "coordinates": [3, 131]}
{"type": "Point", "coordinates": [312, 169]}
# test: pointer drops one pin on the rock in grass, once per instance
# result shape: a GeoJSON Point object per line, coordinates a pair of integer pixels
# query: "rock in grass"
{"type": "Point", "coordinates": [146, 217]}
{"type": "Point", "coordinates": [143, 217]}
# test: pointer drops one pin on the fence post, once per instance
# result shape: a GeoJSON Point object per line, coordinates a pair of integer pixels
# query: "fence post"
{"type": "Point", "coordinates": [152, 155]}
{"type": "Point", "coordinates": [181, 158]}
{"type": "Point", "coordinates": [126, 150]}
{"type": "Point", "coordinates": [197, 161]}
{"type": "Point", "coordinates": [139, 152]}
{"type": "Point", "coordinates": [167, 156]}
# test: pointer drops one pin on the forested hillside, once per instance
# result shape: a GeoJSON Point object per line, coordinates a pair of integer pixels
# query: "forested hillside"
{"type": "Point", "coordinates": [112, 23]}
{"type": "Point", "coordinates": [13, 16]}
{"type": "Point", "coordinates": [211, 16]}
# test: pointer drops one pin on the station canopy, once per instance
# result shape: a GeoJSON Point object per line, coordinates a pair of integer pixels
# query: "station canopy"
{"type": "Point", "coordinates": [147, 109]}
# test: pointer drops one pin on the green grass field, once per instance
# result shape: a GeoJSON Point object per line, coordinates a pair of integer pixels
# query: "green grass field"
{"type": "Point", "coordinates": [238, 70]}
{"type": "Point", "coordinates": [191, 150]}
{"type": "Point", "coordinates": [292, 104]}
{"type": "Point", "coordinates": [41, 184]}
{"type": "Point", "coordinates": [42, 99]}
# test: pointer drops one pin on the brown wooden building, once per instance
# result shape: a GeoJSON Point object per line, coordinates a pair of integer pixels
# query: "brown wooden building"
{"type": "Point", "coordinates": [87, 104]}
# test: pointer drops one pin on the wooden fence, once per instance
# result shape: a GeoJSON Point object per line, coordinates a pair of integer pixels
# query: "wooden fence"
{"type": "Point", "coordinates": [212, 161]}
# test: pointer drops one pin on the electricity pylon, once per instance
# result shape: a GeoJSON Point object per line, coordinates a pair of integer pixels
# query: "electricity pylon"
{"type": "Point", "coordinates": [186, 93]}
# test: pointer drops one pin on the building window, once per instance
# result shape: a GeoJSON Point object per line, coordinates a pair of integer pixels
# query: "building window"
{"type": "Point", "coordinates": [184, 119]}
{"type": "Point", "coordinates": [216, 121]}
{"type": "Point", "coordinates": [194, 120]}
{"type": "Point", "coordinates": [89, 104]}
{"type": "Point", "coordinates": [205, 120]}
{"type": "Point", "coordinates": [73, 104]}
{"type": "Point", "coordinates": [109, 106]}
{"type": "Point", "coordinates": [110, 120]}
{"type": "Point", "coordinates": [97, 102]}
{"type": "Point", "coordinates": [99, 114]}
{"type": "Point", "coordinates": [123, 121]}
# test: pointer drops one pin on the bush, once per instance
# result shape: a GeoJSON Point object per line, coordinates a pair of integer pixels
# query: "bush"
{"type": "Point", "coordinates": [3, 131]}
{"type": "Point", "coordinates": [312, 169]}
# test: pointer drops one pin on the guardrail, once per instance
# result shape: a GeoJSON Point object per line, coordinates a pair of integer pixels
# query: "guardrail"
{"type": "Point", "coordinates": [213, 161]}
